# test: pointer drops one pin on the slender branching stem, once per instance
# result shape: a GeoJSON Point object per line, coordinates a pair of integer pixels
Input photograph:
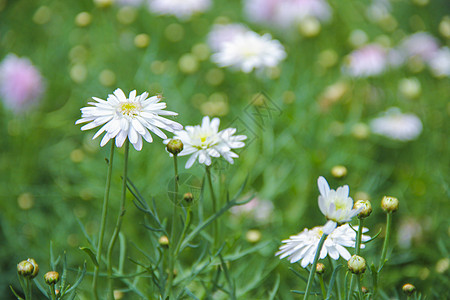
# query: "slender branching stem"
{"type": "Point", "coordinates": [357, 251]}
{"type": "Point", "coordinates": [214, 207]}
{"type": "Point", "coordinates": [313, 267]}
{"type": "Point", "coordinates": [118, 223]}
{"type": "Point", "coordinates": [386, 239]}
{"type": "Point", "coordinates": [172, 242]}
{"type": "Point", "coordinates": [103, 222]}
{"type": "Point", "coordinates": [322, 287]}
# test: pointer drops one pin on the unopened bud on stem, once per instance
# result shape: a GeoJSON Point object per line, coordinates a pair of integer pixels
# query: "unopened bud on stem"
{"type": "Point", "coordinates": [389, 204]}
{"type": "Point", "coordinates": [357, 264]}
{"type": "Point", "coordinates": [320, 268]}
{"type": "Point", "coordinates": [408, 289]}
{"type": "Point", "coordinates": [175, 146]}
{"type": "Point", "coordinates": [51, 277]}
{"type": "Point", "coordinates": [366, 208]}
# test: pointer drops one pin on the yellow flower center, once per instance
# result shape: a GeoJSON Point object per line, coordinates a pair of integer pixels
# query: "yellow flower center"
{"type": "Point", "coordinates": [130, 109]}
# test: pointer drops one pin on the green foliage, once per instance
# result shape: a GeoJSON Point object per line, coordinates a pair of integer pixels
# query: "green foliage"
{"type": "Point", "coordinates": [53, 174]}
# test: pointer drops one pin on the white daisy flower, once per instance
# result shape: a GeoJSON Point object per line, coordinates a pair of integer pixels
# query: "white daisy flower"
{"type": "Point", "coordinates": [182, 9]}
{"type": "Point", "coordinates": [303, 246]}
{"type": "Point", "coordinates": [206, 141]}
{"type": "Point", "coordinates": [248, 50]}
{"type": "Point", "coordinates": [337, 206]}
{"type": "Point", "coordinates": [397, 126]}
{"type": "Point", "coordinates": [131, 117]}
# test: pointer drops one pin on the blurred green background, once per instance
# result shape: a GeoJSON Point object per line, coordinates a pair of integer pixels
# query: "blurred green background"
{"type": "Point", "coordinates": [52, 173]}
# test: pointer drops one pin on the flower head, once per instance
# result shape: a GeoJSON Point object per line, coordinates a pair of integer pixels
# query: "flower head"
{"type": "Point", "coordinates": [182, 9]}
{"type": "Point", "coordinates": [248, 51]}
{"type": "Point", "coordinates": [130, 117]}
{"type": "Point", "coordinates": [286, 13]}
{"type": "Point", "coordinates": [356, 264]}
{"type": "Point", "coordinates": [440, 63]}
{"type": "Point", "coordinates": [206, 141]}
{"type": "Point", "coordinates": [370, 60]}
{"type": "Point", "coordinates": [420, 44]}
{"type": "Point", "coordinates": [223, 33]}
{"type": "Point", "coordinates": [303, 246]}
{"type": "Point", "coordinates": [21, 84]}
{"type": "Point", "coordinates": [397, 126]}
{"type": "Point", "coordinates": [336, 205]}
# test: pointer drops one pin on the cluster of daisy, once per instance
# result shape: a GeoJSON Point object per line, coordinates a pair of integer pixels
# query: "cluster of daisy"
{"type": "Point", "coordinates": [134, 117]}
{"type": "Point", "coordinates": [239, 48]}
{"type": "Point", "coordinates": [338, 208]}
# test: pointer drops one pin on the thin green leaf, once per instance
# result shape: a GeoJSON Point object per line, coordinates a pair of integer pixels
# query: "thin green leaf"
{"type": "Point", "coordinates": [228, 278]}
{"type": "Point", "coordinates": [122, 252]}
{"type": "Point", "coordinates": [91, 255]}
{"type": "Point", "coordinates": [274, 290]}
{"type": "Point", "coordinates": [189, 293]}
{"type": "Point", "coordinates": [299, 275]}
{"type": "Point", "coordinates": [302, 292]}
{"type": "Point", "coordinates": [332, 280]}
{"type": "Point", "coordinates": [41, 288]}
{"type": "Point", "coordinates": [373, 238]}
{"type": "Point", "coordinates": [79, 280]}
{"type": "Point", "coordinates": [15, 294]}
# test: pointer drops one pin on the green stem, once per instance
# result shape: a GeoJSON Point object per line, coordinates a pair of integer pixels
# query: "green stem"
{"type": "Point", "coordinates": [52, 288]}
{"type": "Point", "coordinates": [357, 251]}
{"type": "Point", "coordinates": [386, 239]}
{"type": "Point", "coordinates": [313, 267]}
{"type": "Point", "coordinates": [214, 207]}
{"type": "Point", "coordinates": [358, 283]}
{"type": "Point", "coordinates": [173, 233]}
{"type": "Point", "coordinates": [322, 286]}
{"type": "Point", "coordinates": [183, 233]}
{"type": "Point", "coordinates": [103, 221]}
{"type": "Point", "coordinates": [119, 222]}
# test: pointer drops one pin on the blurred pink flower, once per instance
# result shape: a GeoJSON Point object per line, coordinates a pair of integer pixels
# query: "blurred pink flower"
{"type": "Point", "coordinates": [258, 210]}
{"type": "Point", "coordinates": [21, 84]}
{"type": "Point", "coordinates": [285, 13]}
{"type": "Point", "coordinates": [370, 60]}
{"type": "Point", "coordinates": [421, 44]}
{"type": "Point", "coordinates": [221, 34]}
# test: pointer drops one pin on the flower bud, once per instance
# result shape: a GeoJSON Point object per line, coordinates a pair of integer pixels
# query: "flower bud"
{"type": "Point", "coordinates": [389, 204]}
{"type": "Point", "coordinates": [408, 289]}
{"type": "Point", "coordinates": [253, 236]}
{"type": "Point", "coordinates": [174, 146]}
{"type": "Point", "coordinates": [164, 241]}
{"type": "Point", "coordinates": [188, 197]}
{"type": "Point", "coordinates": [51, 277]}
{"type": "Point", "coordinates": [320, 268]}
{"type": "Point", "coordinates": [339, 171]}
{"type": "Point", "coordinates": [35, 269]}
{"type": "Point", "coordinates": [364, 290]}
{"type": "Point", "coordinates": [357, 264]}
{"type": "Point", "coordinates": [366, 208]}
{"type": "Point", "coordinates": [25, 268]}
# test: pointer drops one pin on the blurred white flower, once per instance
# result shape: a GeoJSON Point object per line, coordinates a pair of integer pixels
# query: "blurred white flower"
{"type": "Point", "coordinates": [420, 44]}
{"type": "Point", "coordinates": [378, 10]}
{"type": "Point", "coordinates": [337, 206]}
{"type": "Point", "coordinates": [206, 141]}
{"type": "Point", "coordinates": [397, 126]}
{"type": "Point", "coordinates": [286, 13]}
{"type": "Point", "coordinates": [182, 9]}
{"type": "Point", "coordinates": [409, 230]}
{"type": "Point", "coordinates": [131, 117]}
{"type": "Point", "coordinates": [248, 51]}
{"type": "Point", "coordinates": [257, 209]}
{"type": "Point", "coordinates": [21, 84]}
{"type": "Point", "coordinates": [369, 60]}
{"type": "Point", "coordinates": [440, 63]}
{"type": "Point", "coordinates": [129, 2]}
{"type": "Point", "coordinates": [303, 246]}
{"type": "Point", "coordinates": [223, 33]}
